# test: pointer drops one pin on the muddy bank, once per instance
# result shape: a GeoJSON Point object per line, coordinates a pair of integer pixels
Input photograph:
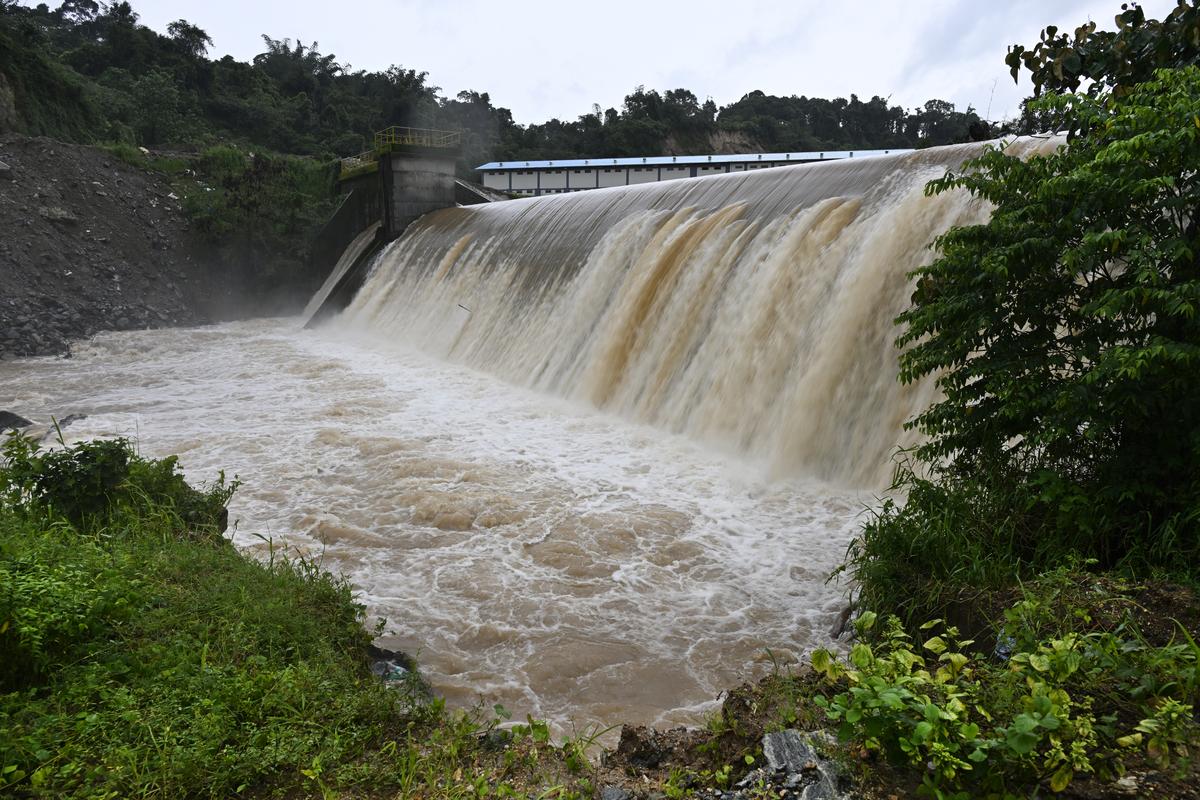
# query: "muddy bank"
{"type": "Point", "coordinates": [89, 243]}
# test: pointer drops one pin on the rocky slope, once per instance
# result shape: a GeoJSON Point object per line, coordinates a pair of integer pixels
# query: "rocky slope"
{"type": "Point", "coordinates": [89, 243]}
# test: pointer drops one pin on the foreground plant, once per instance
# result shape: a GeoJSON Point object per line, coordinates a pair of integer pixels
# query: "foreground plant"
{"type": "Point", "coordinates": [974, 726]}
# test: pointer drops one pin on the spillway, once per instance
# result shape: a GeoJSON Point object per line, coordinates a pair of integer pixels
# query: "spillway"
{"type": "Point", "coordinates": [592, 456]}
{"type": "Point", "coordinates": [753, 311]}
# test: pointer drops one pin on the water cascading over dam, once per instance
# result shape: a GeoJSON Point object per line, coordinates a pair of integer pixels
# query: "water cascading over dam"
{"type": "Point", "coordinates": [592, 456]}
{"type": "Point", "coordinates": [751, 311]}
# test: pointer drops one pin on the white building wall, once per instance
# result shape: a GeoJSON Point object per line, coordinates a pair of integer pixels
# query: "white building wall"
{"type": "Point", "coordinates": [553, 179]}
{"type": "Point", "coordinates": [643, 175]}
{"type": "Point", "coordinates": [584, 178]}
{"type": "Point", "coordinates": [671, 173]}
{"type": "Point", "coordinates": [524, 180]}
{"type": "Point", "coordinates": [496, 180]}
{"type": "Point", "coordinates": [611, 176]}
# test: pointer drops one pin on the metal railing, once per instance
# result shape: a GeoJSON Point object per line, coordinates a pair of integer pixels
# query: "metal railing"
{"type": "Point", "coordinates": [359, 164]}
{"type": "Point", "coordinates": [368, 161]}
{"type": "Point", "coordinates": [416, 137]}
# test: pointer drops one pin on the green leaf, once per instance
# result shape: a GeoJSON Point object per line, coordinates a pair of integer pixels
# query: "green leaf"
{"type": "Point", "coordinates": [1061, 777]}
{"type": "Point", "coordinates": [861, 656]}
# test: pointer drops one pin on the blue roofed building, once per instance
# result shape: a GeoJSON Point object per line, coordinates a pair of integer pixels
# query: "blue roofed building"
{"type": "Point", "coordinates": [532, 178]}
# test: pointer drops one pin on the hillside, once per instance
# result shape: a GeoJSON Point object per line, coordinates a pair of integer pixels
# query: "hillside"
{"type": "Point", "coordinates": [90, 73]}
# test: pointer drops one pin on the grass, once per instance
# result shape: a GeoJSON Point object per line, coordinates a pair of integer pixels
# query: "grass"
{"type": "Point", "coordinates": [143, 656]}
{"type": "Point", "coordinates": [259, 212]}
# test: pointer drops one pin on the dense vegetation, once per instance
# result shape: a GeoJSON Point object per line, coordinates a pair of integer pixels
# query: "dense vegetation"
{"type": "Point", "coordinates": [89, 72]}
{"type": "Point", "coordinates": [1064, 339]}
{"type": "Point", "coordinates": [1063, 456]}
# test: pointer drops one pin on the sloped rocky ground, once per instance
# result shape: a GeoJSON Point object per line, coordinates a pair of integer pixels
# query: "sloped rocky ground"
{"type": "Point", "coordinates": [89, 243]}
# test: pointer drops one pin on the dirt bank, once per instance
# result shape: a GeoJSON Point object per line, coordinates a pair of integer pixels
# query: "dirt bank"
{"type": "Point", "coordinates": [90, 243]}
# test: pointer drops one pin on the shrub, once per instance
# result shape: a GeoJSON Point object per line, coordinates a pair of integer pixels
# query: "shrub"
{"type": "Point", "coordinates": [1064, 337]}
{"type": "Point", "coordinates": [1058, 707]}
{"type": "Point", "coordinates": [94, 483]}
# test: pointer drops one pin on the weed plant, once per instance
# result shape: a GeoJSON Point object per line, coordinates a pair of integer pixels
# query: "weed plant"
{"type": "Point", "coordinates": [1043, 710]}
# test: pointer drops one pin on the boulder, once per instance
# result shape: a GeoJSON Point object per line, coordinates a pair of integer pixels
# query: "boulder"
{"type": "Point", "coordinates": [12, 422]}
{"type": "Point", "coordinates": [58, 214]}
{"type": "Point", "coordinates": [788, 751]}
{"type": "Point", "coordinates": [795, 765]}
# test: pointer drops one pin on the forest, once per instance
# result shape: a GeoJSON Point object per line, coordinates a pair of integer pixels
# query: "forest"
{"type": "Point", "coordinates": [89, 72]}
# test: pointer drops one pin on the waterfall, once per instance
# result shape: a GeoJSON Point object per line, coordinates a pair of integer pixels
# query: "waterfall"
{"type": "Point", "coordinates": [751, 311]}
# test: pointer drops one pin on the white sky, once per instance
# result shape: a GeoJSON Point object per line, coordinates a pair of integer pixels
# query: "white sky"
{"type": "Point", "coordinates": [546, 59]}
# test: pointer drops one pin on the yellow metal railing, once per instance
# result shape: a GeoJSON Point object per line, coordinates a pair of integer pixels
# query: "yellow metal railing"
{"type": "Point", "coordinates": [416, 137]}
{"type": "Point", "coordinates": [396, 135]}
{"type": "Point", "coordinates": [356, 165]}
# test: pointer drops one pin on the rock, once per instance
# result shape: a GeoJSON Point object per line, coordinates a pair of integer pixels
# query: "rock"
{"type": "Point", "coordinates": [6, 172]}
{"type": "Point", "coordinates": [788, 751]}
{"type": "Point", "coordinates": [614, 793]}
{"type": "Point", "coordinates": [11, 421]}
{"type": "Point", "coordinates": [69, 418]}
{"type": "Point", "coordinates": [1127, 785]}
{"type": "Point", "coordinates": [390, 664]}
{"type": "Point", "coordinates": [58, 214]}
{"type": "Point", "coordinates": [825, 788]}
{"type": "Point", "coordinates": [639, 747]}
{"type": "Point", "coordinates": [843, 620]}
{"type": "Point", "coordinates": [799, 767]}
{"type": "Point", "coordinates": [752, 779]}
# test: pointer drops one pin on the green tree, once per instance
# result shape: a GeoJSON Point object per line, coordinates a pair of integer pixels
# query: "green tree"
{"type": "Point", "coordinates": [194, 41]}
{"type": "Point", "coordinates": [1065, 339]}
{"type": "Point", "coordinates": [1116, 60]}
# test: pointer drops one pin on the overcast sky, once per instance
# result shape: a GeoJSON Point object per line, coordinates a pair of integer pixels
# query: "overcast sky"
{"type": "Point", "coordinates": [547, 59]}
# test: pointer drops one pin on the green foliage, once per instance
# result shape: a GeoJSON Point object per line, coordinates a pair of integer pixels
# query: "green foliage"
{"type": "Point", "coordinates": [95, 483]}
{"type": "Point", "coordinates": [260, 210]}
{"type": "Point", "coordinates": [50, 99]}
{"type": "Point", "coordinates": [977, 727]}
{"type": "Point", "coordinates": [1064, 338]}
{"type": "Point", "coordinates": [1111, 60]}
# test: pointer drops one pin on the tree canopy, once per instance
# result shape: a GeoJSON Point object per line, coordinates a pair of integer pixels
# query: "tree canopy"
{"type": "Point", "coordinates": [87, 71]}
{"type": "Point", "coordinates": [1063, 336]}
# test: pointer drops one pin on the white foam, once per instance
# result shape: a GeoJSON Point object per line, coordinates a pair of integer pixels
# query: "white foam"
{"type": "Point", "coordinates": [559, 560]}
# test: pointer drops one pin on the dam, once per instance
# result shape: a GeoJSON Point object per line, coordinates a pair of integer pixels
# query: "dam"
{"type": "Point", "coordinates": [591, 456]}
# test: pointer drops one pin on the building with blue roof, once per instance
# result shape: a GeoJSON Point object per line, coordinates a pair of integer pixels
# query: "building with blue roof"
{"type": "Point", "coordinates": [532, 178]}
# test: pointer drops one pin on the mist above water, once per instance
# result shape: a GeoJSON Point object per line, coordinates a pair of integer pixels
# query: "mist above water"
{"type": "Point", "coordinates": [752, 311]}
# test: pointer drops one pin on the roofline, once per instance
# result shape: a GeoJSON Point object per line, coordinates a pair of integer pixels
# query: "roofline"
{"type": "Point", "coordinates": [663, 161]}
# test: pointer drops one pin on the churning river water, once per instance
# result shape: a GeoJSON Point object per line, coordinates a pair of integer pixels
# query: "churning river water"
{"type": "Point", "coordinates": [558, 442]}
{"type": "Point", "coordinates": [531, 551]}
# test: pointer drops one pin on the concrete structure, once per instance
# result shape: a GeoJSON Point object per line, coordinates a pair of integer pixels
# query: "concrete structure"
{"type": "Point", "coordinates": [415, 183]}
{"type": "Point", "coordinates": [533, 178]}
{"type": "Point", "coordinates": [410, 171]}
